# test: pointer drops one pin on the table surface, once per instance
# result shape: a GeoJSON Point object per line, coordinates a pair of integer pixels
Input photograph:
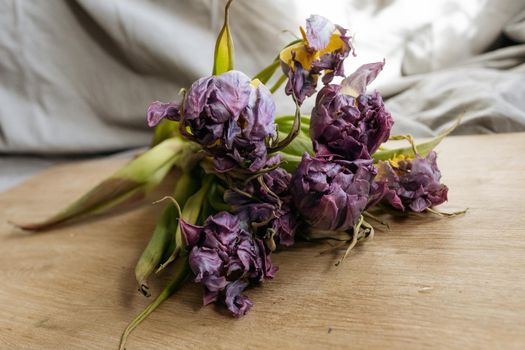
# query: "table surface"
{"type": "Point", "coordinates": [437, 283]}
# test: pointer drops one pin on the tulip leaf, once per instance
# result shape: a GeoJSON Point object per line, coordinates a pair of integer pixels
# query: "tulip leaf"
{"type": "Point", "coordinates": [300, 144]}
{"type": "Point", "coordinates": [131, 181]}
{"type": "Point", "coordinates": [290, 162]}
{"type": "Point", "coordinates": [216, 198]}
{"type": "Point", "coordinates": [285, 123]}
{"type": "Point", "coordinates": [278, 83]}
{"type": "Point", "coordinates": [423, 148]}
{"type": "Point", "coordinates": [190, 214]}
{"type": "Point", "coordinates": [163, 131]}
{"type": "Point", "coordinates": [224, 52]}
{"type": "Point", "coordinates": [267, 73]}
{"type": "Point", "coordinates": [161, 244]}
{"type": "Point", "coordinates": [181, 272]}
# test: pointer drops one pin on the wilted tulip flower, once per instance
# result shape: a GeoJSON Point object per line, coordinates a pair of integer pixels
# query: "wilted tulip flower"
{"type": "Point", "coordinates": [229, 115]}
{"type": "Point", "coordinates": [348, 122]}
{"type": "Point", "coordinates": [331, 194]}
{"type": "Point", "coordinates": [226, 259]}
{"type": "Point", "coordinates": [412, 184]}
{"type": "Point", "coordinates": [265, 206]}
{"type": "Point", "coordinates": [323, 48]}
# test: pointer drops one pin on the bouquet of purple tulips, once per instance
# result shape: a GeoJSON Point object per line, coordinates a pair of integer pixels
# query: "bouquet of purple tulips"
{"type": "Point", "coordinates": [250, 182]}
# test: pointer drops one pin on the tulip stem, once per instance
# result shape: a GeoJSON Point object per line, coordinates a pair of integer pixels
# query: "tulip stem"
{"type": "Point", "coordinates": [296, 127]}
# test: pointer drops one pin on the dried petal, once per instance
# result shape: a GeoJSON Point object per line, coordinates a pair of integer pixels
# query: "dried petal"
{"type": "Point", "coordinates": [158, 111]}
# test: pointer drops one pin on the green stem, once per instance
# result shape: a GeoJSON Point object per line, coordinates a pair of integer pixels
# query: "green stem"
{"type": "Point", "coordinates": [423, 148]}
{"type": "Point", "coordinates": [296, 128]}
{"type": "Point", "coordinates": [216, 199]}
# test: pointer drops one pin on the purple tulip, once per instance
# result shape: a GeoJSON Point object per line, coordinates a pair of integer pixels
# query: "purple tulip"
{"type": "Point", "coordinates": [331, 194]}
{"type": "Point", "coordinates": [323, 49]}
{"type": "Point", "coordinates": [267, 210]}
{"type": "Point", "coordinates": [226, 259]}
{"type": "Point", "coordinates": [347, 122]}
{"type": "Point", "coordinates": [229, 115]}
{"type": "Point", "coordinates": [412, 184]}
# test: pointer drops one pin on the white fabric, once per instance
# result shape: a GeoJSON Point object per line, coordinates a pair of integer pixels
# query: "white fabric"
{"type": "Point", "coordinates": [77, 76]}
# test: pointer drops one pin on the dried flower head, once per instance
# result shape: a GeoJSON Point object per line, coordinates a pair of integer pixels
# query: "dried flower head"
{"type": "Point", "coordinates": [331, 194]}
{"type": "Point", "coordinates": [348, 122]}
{"type": "Point", "coordinates": [226, 259]}
{"type": "Point", "coordinates": [323, 48]}
{"type": "Point", "coordinates": [412, 184]}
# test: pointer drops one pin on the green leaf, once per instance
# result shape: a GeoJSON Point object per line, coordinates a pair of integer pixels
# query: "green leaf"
{"type": "Point", "coordinates": [224, 52]}
{"type": "Point", "coordinates": [290, 162]}
{"type": "Point", "coordinates": [423, 148]}
{"type": "Point", "coordinates": [266, 74]}
{"type": "Point", "coordinates": [285, 123]}
{"type": "Point", "coordinates": [131, 181]}
{"type": "Point", "coordinates": [181, 272]}
{"type": "Point", "coordinates": [164, 130]}
{"type": "Point", "coordinates": [161, 244]}
{"type": "Point", "coordinates": [216, 198]}
{"type": "Point", "coordinates": [278, 83]}
{"type": "Point", "coordinates": [190, 213]}
{"type": "Point", "coordinates": [301, 144]}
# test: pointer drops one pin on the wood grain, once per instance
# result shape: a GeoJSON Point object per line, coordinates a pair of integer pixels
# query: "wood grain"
{"type": "Point", "coordinates": [426, 283]}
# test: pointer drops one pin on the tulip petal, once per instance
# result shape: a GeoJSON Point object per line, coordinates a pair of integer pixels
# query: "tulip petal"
{"type": "Point", "coordinates": [318, 32]}
{"type": "Point", "coordinates": [355, 84]}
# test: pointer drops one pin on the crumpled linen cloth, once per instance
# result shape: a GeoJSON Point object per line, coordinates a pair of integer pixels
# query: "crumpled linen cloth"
{"type": "Point", "coordinates": [77, 76]}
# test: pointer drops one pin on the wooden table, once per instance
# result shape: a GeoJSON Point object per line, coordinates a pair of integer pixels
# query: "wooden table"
{"type": "Point", "coordinates": [427, 283]}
